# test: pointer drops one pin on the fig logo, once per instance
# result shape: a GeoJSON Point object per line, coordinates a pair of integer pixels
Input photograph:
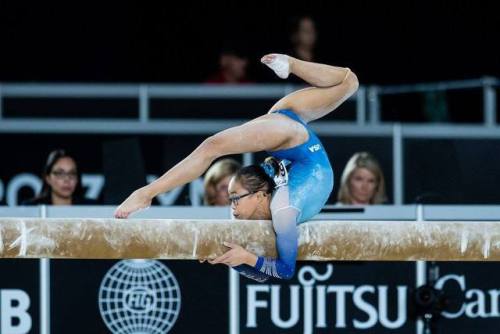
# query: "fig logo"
{"type": "Point", "coordinates": [139, 297]}
{"type": "Point", "coordinates": [140, 300]}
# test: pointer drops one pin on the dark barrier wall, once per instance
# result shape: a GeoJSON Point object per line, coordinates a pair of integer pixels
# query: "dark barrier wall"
{"type": "Point", "coordinates": [89, 296]}
{"type": "Point", "coordinates": [435, 170]}
{"type": "Point", "coordinates": [102, 157]}
{"type": "Point", "coordinates": [326, 298]}
{"type": "Point", "coordinates": [473, 290]}
{"type": "Point", "coordinates": [77, 293]}
{"type": "Point", "coordinates": [452, 171]}
{"type": "Point", "coordinates": [19, 296]}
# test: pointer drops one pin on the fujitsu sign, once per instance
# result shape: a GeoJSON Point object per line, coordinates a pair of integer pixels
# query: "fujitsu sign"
{"type": "Point", "coordinates": [313, 297]}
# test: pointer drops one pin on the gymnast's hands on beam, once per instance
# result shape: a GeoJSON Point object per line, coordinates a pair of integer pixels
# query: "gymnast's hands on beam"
{"type": "Point", "coordinates": [236, 256]}
{"type": "Point", "coordinates": [138, 200]}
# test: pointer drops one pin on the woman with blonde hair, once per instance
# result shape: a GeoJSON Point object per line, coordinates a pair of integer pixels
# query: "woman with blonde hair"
{"type": "Point", "coordinates": [362, 181]}
{"type": "Point", "coordinates": [216, 182]}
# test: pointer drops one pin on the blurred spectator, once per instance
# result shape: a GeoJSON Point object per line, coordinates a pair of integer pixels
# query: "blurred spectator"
{"type": "Point", "coordinates": [61, 182]}
{"type": "Point", "coordinates": [217, 181]}
{"type": "Point", "coordinates": [435, 107]}
{"type": "Point", "coordinates": [232, 68]}
{"type": "Point", "coordinates": [362, 181]}
{"type": "Point", "coordinates": [303, 37]}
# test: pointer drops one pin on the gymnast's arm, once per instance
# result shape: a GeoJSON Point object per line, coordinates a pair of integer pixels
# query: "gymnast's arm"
{"type": "Point", "coordinates": [251, 272]}
{"type": "Point", "coordinates": [284, 223]}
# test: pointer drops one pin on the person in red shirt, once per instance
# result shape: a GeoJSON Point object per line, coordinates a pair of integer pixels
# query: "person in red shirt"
{"type": "Point", "coordinates": [232, 68]}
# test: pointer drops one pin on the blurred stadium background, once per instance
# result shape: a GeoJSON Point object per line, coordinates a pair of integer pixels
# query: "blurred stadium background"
{"type": "Point", "coordinates": [139, 85]}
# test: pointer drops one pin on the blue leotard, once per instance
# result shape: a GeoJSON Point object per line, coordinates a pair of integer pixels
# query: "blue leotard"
{"type": "Point", "coordinates": [310, 175]}
{"type": "Point", "coordinates": [310, 182]}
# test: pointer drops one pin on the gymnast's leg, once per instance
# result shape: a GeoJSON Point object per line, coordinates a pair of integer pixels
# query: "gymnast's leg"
{"type": "Point", "coordinates": [268, 132]}
{"type": "Point", "coordinates": [331, 86]}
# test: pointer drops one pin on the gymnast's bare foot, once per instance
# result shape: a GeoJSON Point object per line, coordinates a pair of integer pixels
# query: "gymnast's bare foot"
{"type": "Point", "coordinates": [138, 200]}
{"type": "Point", "coordinates": [279, 63]}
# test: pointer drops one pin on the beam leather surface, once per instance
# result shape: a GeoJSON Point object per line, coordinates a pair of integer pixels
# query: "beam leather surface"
{"type": "Point", "coordinates": [200, 239]}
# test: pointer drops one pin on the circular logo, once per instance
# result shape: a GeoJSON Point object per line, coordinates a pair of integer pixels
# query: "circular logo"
{"type": "Point", "coordinates": [140, 299]}
{"type": "Point", "coordinates": [139, 296]}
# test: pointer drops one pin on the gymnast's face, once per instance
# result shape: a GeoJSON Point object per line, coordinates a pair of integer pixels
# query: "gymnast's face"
{"type": "Point", "coordinates": [245, 204]}
{"type": "Point", "coordinates": [362, 184]}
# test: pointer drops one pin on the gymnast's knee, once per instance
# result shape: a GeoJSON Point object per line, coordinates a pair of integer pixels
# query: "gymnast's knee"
{"type": "Point", "coordinates": [211, 148]}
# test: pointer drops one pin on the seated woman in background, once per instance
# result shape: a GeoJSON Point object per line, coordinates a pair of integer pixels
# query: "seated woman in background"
{"type": "Point", "coordinates": [61, 182]}
{"type": "Point", "coordinates": [362, 181]}
{"type": "Point", "coordinates": [216, 182]}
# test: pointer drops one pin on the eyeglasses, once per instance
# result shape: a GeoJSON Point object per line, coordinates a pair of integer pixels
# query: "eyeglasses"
{"type": "Point", "coordinates": [236, 198]}
{"type": "Point", "coordinates": [61, 175]}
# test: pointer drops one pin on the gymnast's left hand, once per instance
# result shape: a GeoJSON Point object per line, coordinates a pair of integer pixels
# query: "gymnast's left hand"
{"type": "Point", "coordinates": [236, 256]}
{"type": "Point", "coordinates": [138, 200]}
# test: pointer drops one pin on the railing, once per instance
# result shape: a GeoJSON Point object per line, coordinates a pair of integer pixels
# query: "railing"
{"type": "Point", "coordinates": [144, 93]}
{"type": "Point", "coordinates": [145, 125]}
{"type": "Point", "coordinates": [487, 84]}
{"type": "Point", "coordinates": [367, 99]}
{"type": "Point", "coordinates": [414, 212]}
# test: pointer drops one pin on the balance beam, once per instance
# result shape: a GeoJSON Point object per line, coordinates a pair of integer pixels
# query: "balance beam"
{"type": "Point", "coordinates": [202, 239]}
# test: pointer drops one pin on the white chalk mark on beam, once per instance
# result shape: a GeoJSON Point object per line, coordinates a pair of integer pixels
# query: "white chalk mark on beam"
{"type": "Point", "coordinates": [464, 241]}
{"type": "Point", "coordinates": [195, 242]}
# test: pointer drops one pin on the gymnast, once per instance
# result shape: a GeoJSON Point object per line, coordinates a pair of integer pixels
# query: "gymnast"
{"type": "Point", "coordinates": [290, 186]}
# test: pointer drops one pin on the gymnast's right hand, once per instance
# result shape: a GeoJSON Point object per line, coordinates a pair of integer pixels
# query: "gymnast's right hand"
{"type": "Point", "coordinates": [138, 200]}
